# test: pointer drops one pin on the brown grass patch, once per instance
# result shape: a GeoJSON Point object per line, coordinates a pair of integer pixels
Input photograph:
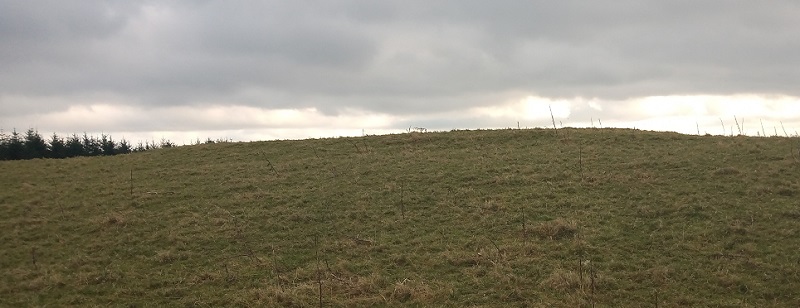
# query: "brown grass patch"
{"type": "Point", "coordinates": [556, 229]}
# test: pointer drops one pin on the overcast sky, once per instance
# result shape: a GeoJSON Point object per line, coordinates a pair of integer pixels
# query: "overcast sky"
{"type": "Point", "coordinates": [256, 70]}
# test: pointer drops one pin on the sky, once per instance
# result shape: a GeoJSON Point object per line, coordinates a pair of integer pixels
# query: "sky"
{"type": "Point", "coordinates": [261, 70]}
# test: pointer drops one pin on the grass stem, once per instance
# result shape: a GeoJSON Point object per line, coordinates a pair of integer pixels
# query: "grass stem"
{"type": "Point", "coordinates": [319, 272]}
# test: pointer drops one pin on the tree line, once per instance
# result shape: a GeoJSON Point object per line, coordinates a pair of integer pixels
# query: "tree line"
{"type": "Point", "coordinates": [31, 144]}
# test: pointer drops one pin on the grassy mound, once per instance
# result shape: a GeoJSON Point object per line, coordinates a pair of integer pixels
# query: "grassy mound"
{"type": "Point", "coordinates": [573, 217]}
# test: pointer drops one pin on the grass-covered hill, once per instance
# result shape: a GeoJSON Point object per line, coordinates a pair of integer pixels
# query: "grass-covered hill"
{"type": "Point", "coordinates": [568, 217]}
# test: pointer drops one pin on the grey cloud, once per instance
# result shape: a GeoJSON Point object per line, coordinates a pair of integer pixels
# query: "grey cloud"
{"type": "Point", "coordinates": [41, 21]}
{"type": "Point", "coordinates": [402, 57]}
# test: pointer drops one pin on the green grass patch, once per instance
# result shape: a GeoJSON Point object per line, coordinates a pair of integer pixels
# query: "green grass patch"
{"type": "Point", "coordinates": [568, 217]}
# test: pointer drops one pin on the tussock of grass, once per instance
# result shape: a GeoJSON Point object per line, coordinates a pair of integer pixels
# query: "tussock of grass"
{"type": "Point", "coordinates": [574, 281]}
{"type": "Point", "coordinates": [463, 218]}
{"type": "Point", "coordinates": [556, 229]}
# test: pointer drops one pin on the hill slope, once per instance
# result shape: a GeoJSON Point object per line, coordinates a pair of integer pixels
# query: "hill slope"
{"type": "Point", "coordinates": [465, 218]}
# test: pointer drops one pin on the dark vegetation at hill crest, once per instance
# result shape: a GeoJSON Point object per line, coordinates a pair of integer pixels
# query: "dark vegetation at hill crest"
{"type": "Point", "coordinates": [16, 146]}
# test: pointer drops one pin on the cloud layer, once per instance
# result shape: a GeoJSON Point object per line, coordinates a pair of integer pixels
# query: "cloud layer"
{"type": "Point", "coordinates": [209, 65]}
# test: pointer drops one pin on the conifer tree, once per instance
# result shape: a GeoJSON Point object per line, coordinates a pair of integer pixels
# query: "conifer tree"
{"type": "Point", "coordinates": [15, 147]}
{"type": "Point", "coordinates": [165, 144]}
{"type": "Point", "coordinates": [4, 140]}
{"type": "Point", "coordinates": [90, 146]}
{"type": "Point", "coordinates": [123, 147]}
{"type": "Point", "coordinates": [107, 145]}
{"type": "Point", "coordinates": [75, 146]}
{"type": "Point", "coordinates": [139, 147]}
{"type": "Point", "coordinates": [35, 146]}
{"type": "Point", "coordinates": [58, 147]}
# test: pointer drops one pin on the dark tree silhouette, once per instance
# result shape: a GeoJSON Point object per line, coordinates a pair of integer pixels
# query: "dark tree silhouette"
{"type": "Point", "coordinates": [15, 146]}
{"type": "Point", "coordinates": [4, 140]}
{"type": "Point", "coordinates": [35, 146]}
{"type": "Point", "coordinates": [166, 143]}
{"type": "Point", "coordinates": [123, 147]}
{"type": "Point", "coordinates": [58, 147]}
{"type": "Point", "coordinates": [75, 146]}
{"type": "Point", "coordinates": [91, 147]}
{"type": "Point", "coordinates": [107, 145]}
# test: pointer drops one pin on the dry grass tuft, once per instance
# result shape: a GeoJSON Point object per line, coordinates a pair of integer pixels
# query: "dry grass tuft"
{"type": "Point", "coordinates": [409, 291]}
{"type": "Point", "coordinates": [556, 229]}
{"type": "Point", "coordinates": [112, 219]}
{"type": "Point", "coordinates": [168, 256]}
{"type": "Point", "coordinates": [563, 280]}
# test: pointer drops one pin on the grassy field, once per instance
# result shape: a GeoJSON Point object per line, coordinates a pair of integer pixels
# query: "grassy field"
{"type": "Point", "coordinates": [568, 217]}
